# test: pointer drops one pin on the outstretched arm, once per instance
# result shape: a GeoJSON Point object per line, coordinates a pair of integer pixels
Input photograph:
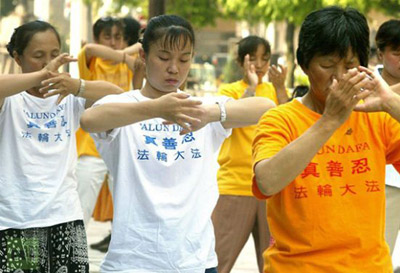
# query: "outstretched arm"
{"type": "Point", "coordinates": [63, 85]}
{"type": "Point", "coordinates": [175, 107]}
{"type": "Point", "coordinates": [14, 83]}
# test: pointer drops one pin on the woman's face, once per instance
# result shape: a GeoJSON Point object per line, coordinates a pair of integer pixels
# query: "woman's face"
{"type": "Point", "coordinates": [323, 69]}
{"type": "Point", "coordinates": [167, 68]}
{"type": "Point", "coordinates": [391, 62]}
{"type": "Point", "coordinates": [260, 59]}
{"type": "Point", "coordinates": [111, 37]}
{"type": "Point", "coordinates": [41, 49]}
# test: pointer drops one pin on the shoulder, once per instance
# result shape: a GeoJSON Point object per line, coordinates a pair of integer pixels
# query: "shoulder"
{"type": "Point", "coordinates": [126, 97]}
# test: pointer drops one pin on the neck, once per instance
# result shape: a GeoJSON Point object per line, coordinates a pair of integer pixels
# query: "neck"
{"type": "Point", "coordinates": [150, 92]}
{"type": "Point", "coordinates": [389, 79]}
{"type": "Point", "coordinates": [311, 102]}
{"type": "Point", "coordinates": [35, 92]}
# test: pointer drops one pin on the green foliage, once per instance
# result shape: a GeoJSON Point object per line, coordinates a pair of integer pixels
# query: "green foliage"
{"type": "Point", "coordinates": [199, 12]}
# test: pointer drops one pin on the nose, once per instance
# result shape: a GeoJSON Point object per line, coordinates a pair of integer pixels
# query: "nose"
{"type": "Point", "coordinates": [339, 72]}
{"type": "Point", "coordinates": [258, 63]}
{"type": "Point", "coordinates": [172, 67]}
{"type": "Point", "coordinates": [47, 60]}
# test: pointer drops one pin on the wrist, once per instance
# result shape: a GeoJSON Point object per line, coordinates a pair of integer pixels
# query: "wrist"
{"type": "Point", "coordinates": [391, 104]}
{"type": "Point", "coordinates": [82, 88]}
{"type": "Point", "coordinates": [222, 111]}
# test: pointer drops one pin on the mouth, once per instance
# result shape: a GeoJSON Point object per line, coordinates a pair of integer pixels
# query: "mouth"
{"type": "Point", "coordinates": [172, 81]}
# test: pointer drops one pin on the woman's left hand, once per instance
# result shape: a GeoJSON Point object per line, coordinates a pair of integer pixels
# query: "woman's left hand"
{"type": "Point", "coordinates": [59, 84]}
{"type": "Point", "coordinates": [380, 94]}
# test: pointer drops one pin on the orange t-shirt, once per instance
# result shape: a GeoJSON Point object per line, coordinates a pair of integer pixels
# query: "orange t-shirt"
{"type": "Point", "coordinates": [234, 174]}
{"type": "Point", "coordinates": [99, 69]}
{"type": "Point", "coordinates": [331, 218]}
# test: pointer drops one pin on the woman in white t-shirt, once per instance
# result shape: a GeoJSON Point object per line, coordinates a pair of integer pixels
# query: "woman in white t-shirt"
{"type": "Point", "coordinates": [388, 44]}
{"type": "Point", "coordinates": [165, 186]}
{"type": "Point", "coordinates": [41, 227]}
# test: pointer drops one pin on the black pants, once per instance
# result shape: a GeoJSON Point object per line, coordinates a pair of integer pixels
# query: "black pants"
{"type": "Point", "coordinates": [57, 249]}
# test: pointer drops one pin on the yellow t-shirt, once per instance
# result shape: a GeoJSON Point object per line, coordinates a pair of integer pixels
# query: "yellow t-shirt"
{"type": "Point", "coordinates": [331, 218]}
{"type": "Point", "coordinates": [234, 174]}
{"type": "Point", "coordinates": [99, 69]}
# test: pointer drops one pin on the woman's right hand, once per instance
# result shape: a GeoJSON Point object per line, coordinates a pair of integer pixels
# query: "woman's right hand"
{"type": "Point", "coordinates": [58, 61]}
{"type": "Point", "coordinates": [345, 94]}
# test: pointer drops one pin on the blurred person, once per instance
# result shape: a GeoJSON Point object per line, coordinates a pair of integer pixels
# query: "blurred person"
{"type": "Point", "coordinates": [103, 60]}
{"type": "Point", "coordinates": [320, 159]}
{"type": "Point", "coordinates": [388, 44]}
{"type": "Point", "coordinates": [165, 173]}
{"type": "Point", "coordinates": [41, 226]}
{"type": "Point", "coordinates": [237, 213]}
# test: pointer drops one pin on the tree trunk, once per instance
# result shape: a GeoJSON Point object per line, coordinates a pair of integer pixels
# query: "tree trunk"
{"type": "Point", "coordinates": [290, 29]}
{"type": "Point", "coordinates": [156, 7]}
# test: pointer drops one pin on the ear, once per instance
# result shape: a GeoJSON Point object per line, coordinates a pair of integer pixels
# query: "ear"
{"type": "Point", "coordinates": [17, 58]}
{"type": "Point", "coordinates": [379, 54]}
{"type": "Point", "coordinates": [142, 55]}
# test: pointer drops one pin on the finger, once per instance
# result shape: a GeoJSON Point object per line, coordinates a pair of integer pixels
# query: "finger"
{"type": "Point", "coordinates": [60, 98]}
{"type": "Point", "coordinates": [168, 122]}
{"type": "Point", "coordinates": [351, 86]}
{"type": "Point", "coordinates": [191, 103]}
{"type": "Point", "coordinates": [246, 61]}
{"type": "Point", "coordinates": [350, 73]}
{"type": "Point", "coordinates": [50, 88]}
{"type": "Point", "coordinates": [370, 73]}
{"type": "Point", "coordinates": [180, 95]}
{"type": "Point", "coordinates": [52, 93]}
{"type": "Point", "coordinates": [51, 81]}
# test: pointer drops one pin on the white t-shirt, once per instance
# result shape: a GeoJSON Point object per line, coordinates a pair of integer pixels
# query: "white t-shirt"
{"type": "Point", "coordinates": [37, 161]}
{"type": "Point", "coordinates": [392, 176]}
{"type": "Point", "coordinates": [165, 190]}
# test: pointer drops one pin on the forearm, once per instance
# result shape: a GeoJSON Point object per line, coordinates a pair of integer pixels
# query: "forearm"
{"type": "Point", "coordinates": [246, 111]}
{"type": "Point", "coordinates": [393, 107]}
{"type": "Point", "coordinates": [281, 94]}
{"type": "Point", "coordinates": [133, 49]}
{"type": "Point", "coordinates": [113, 115]}
{"type": "Point", "coordinates": [15, 83]}
{"type": "Point", "coordinates": [104, 52]}
{"type": "Point", "coordinates": [95, 90]}
{"type": "Point", "coordinates": [275, 173]}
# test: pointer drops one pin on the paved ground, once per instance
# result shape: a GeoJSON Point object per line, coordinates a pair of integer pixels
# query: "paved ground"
{"type": "Point", "coordinates": [246, 262]}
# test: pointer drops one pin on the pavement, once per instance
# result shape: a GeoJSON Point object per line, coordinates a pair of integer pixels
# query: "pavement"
{"type": "Point", "coordinates": [246, 262]}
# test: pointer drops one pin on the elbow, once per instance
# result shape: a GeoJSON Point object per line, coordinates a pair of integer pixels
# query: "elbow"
{"type": "Point", "coordinates": [264, 182]}
{"type": "Point", "coordinates": [86, 122]}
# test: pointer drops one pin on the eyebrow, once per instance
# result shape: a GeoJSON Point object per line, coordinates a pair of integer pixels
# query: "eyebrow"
{"type": "Point", "coordinates": [169, 52]}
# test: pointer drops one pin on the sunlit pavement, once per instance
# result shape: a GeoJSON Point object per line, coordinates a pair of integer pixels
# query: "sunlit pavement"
{"type": "Point", "coordinates": [246, 262]}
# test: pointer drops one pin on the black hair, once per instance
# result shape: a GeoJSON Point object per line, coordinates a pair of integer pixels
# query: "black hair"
{"type": "Point", "coordinates": [249, 45]}
{"type": "Point", "coordinates": [131, 30]}
{"type": "Point", "coordinates": [23, 34]}
{"type": "Point", "coordinates": [333, 30]}
{"type": "Point", "coordinates": [299, 91]}
{"type": "Point", "coordinates": [105, 24]}
{"type": "Point", "coordinates": [169, 28]}
{"type": "Point", "coordinates": [388, 35]}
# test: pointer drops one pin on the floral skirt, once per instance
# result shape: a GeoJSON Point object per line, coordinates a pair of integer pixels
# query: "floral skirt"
{"type": "Point", "coordinates": [57, 249]}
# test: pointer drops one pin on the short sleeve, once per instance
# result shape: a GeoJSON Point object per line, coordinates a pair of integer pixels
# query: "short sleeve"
{"type": "Point", "coordinates": [84, 71]}
{"type": "Point", "coordinates": [392, 139]}
{"type": "Point", "coordinates": [228, 91]}
{"type": "Point", "coordinates": [110, 135]}
{"type": "Point", "coordinates": [272, 135]}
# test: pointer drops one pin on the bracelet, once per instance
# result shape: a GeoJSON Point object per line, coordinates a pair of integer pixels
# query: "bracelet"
{"type": "Point", "coordinates": [81, 90]}
{"type": "Point", "coordinates": [223, 111]}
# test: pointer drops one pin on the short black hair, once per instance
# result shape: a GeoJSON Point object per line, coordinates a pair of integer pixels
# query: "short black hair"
{"type": "Point", "coordinates": [131, 30]}
{"type": "Point", "coordinates": [23, 34]}
{"type": "Point", "coordinates": [388, 35]}
{"type": "Point", "coordinates": [249, 45]}
{"type": "Point", "coordinates": [105, 24]}
{"type": "Point", "coordinates": [333, 30]}
{"type": "Point", "coordinates": [169, 28]}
